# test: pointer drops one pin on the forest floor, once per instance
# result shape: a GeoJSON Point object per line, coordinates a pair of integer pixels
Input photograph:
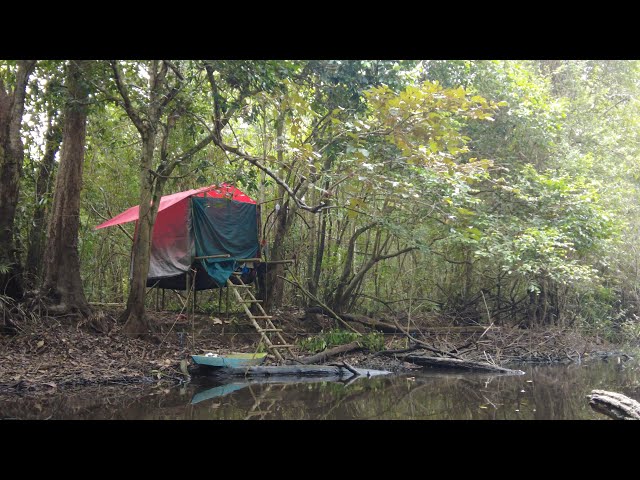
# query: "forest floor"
{"type": "Point", "coordinates": [52, 353]}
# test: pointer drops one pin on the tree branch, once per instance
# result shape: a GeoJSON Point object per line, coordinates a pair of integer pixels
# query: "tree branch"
{"type": "Point", "coordinates": [126, 101]}
{"type": "Point", "coordinates": [257, 162]}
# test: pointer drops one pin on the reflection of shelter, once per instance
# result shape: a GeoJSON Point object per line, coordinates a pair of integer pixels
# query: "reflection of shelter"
{"type": "Point", "coordinates": [208, 231]}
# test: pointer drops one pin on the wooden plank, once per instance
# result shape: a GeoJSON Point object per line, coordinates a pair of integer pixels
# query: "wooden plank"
{"type": "Point", "coordinates": [212, 256]}
{"type": "Point", "coordinates": [268, 262]}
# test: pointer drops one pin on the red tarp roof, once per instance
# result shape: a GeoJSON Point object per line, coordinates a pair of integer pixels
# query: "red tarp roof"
{"type": "Point", "coordinates": [213, 191]}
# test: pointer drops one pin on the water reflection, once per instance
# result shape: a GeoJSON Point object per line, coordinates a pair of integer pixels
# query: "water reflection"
{"type": "Point", "coordinates": [544, 393]}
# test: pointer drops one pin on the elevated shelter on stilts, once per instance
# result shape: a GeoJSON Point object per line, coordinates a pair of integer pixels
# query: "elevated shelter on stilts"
{"type": "Point", "coordinates": [210, 230]}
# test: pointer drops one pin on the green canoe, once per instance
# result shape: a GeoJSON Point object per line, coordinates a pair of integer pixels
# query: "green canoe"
{"type": "Point", "coordinates": [235, 360]}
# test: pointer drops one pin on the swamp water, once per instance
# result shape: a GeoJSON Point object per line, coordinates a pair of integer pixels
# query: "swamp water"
{"type": "Point", "coordinates": [545, 392]}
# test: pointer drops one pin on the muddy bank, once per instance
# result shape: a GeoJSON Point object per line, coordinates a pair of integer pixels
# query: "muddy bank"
{"type": "Point", "coordinates": [54, 353]}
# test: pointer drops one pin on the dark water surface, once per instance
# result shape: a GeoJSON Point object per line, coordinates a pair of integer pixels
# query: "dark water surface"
{"type": "Point", "coordinates": [546, 392]}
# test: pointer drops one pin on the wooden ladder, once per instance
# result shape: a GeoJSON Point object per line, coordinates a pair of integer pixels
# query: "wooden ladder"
{"type": "Point", "coordinates": [271, 335]}
{"type": "Point", "coordinates": [259, 409]}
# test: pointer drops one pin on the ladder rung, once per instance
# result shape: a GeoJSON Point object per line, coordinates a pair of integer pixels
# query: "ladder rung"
{"type": "Point", "coordinates": [261, 316]}
{"type": "Point", "coordinates": [282, 346]}
{"type": "Point", "coordinates": [270, 330]}
{"type": "Point", "coordinates": [241, 286]}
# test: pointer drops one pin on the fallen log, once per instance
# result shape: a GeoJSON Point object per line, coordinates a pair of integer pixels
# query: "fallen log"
{"type": "Point", "coordinates": [614, 405]}
{"type": "Point", "coordinates": [332, 352]}
{"type": "Point", "coordinates": [458, 363]}
{"type": "Point", "coordinates": [285, 371]}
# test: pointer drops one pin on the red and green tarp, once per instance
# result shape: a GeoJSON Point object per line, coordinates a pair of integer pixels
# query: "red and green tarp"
{"type": "Point", "coordinates": [214, 220]}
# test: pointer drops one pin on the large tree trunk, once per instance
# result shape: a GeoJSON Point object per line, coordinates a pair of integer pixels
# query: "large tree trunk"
{"type": "Point", "coordinates": [36, 238]}
{"type": "Point", "coordinates": [148, 122]}
{"type": "Point", "coordinates": [136, 322]}
{"type": "Point", "coordinates": [62, 282]}
{"type": "Point", "coordinates": [11, 159]}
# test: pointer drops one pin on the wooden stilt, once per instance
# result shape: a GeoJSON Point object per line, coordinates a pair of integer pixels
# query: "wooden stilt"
{"type": "Point", "coordinates": [193, 282]}
{"type": "Point", "coordinates": [227, 303]}
{"type": "Point", "coordinates": [187, 280]}
{"type": "Point", "coordinates": [193, 307]}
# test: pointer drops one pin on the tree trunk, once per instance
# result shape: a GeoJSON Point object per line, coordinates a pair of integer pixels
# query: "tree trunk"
{"type": "Point", "coordinates": [11, 159]}
{"type": "Point", "coordinates": [136, 321]}
{"type": "Point", "coordinates": [322, 235]}
{"type": "Point", "coordinates": [274, 286]}
{"type": "Point", "coordinates": [148, 120]}
{"type": "Point", "coordinates": [62, 282]}
{"type": "Point", "coordinates": [337, 302]}
{"type": "Point", "coordinates": [36, 238]}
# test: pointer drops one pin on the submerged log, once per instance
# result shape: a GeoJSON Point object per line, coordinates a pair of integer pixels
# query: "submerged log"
{"type": "Point", "coordinates": [332, 352]}
{"type": "Point", "coordinates": [614, 405]}
{"type": "Point", "coordinates": [458, 364]}
{"type": "Point", "coordinates": [338, 372]}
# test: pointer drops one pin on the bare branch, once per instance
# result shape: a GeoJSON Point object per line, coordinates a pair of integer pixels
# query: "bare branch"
{"type": "Point", "coordinates": [133, 115]}
{"type": "Point", "coordinates": [165, 171]}
{"type": "Point", "coordinates": [257, 162]}
{"type": "Point", "coordinates": [175, 69]}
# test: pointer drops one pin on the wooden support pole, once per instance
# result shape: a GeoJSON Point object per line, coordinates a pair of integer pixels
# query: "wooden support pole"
{"type": "Point", "coordinates": [269, 262]}
{"type": "Point", "coordinates": [193, 282]}
{"type": "Point", "coordinates": [212, 256]}
{"type": "Point", "coordinates": [187, 280]}
{"type": "Point", "coordinates": [227, 303]}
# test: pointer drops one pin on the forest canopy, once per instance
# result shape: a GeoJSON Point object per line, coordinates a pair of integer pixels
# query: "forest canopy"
{"type": "Point", "coordinates": [462, 189]}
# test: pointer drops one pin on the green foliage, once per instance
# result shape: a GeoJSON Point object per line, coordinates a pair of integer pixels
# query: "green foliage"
{"type": "Point", "coordinates": [510, 181]}
{"type": "Point", "coordinates": [551, 224]}
{"type": "Point", "coordinates": [630, 331]}
{"type": "Point", "coordinates": [373, 341]}
{"type": "Point", "coordinates": [4, 268]}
